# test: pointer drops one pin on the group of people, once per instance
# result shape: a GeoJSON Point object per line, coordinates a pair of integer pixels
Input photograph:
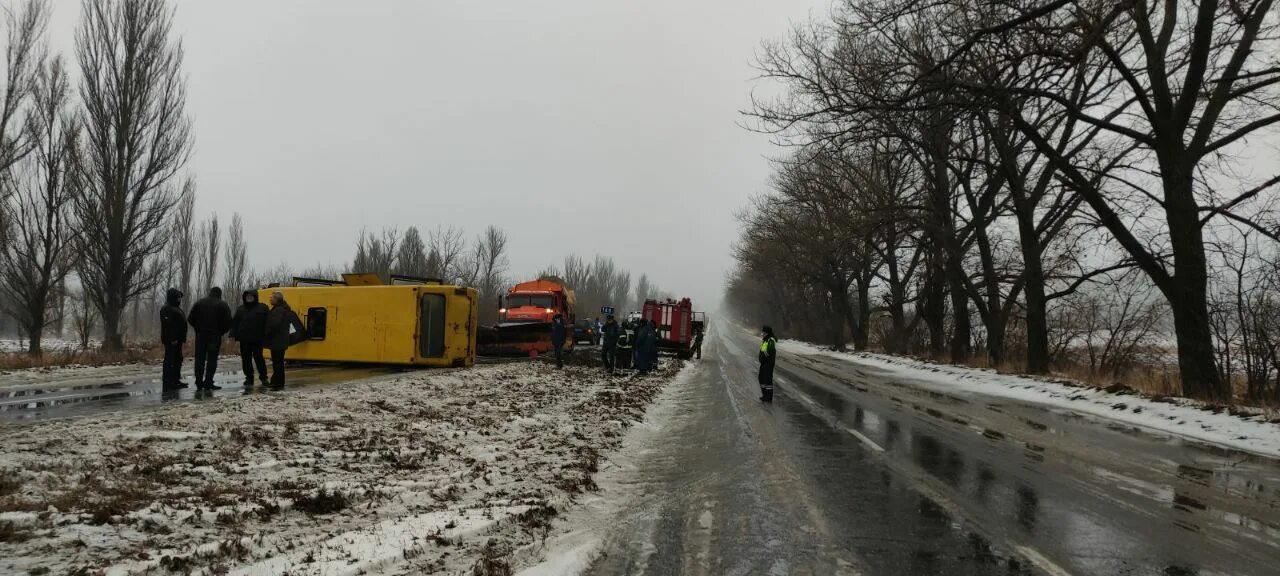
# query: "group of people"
{"type": "Point", "coordinates": [254, 326]}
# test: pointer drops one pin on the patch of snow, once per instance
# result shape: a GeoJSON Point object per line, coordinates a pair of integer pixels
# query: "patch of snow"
{"type": "Point", "coordinates": [578, 539]}
{"type": "Point", "coordinates": [414, 472]}
{"type": "Point", "coordinates": [1177, 416]}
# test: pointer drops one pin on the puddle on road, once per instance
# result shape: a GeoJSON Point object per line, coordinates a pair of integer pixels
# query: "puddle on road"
{"type": "Point", "coordinates": [1056, 520]}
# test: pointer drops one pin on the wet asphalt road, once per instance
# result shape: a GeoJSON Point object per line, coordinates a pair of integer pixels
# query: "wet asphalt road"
{"type": "Point", "coordinates": [856, 471]}
{"type": "Point", "coordinates": [62, 396]}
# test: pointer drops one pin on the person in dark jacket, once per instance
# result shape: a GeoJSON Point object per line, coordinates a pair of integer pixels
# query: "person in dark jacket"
{"type": "Point", "coordinates": [249, 328]}
{"type": "Point", "coordinates": [173, 334]}
{"type": "Point", "coordinates": [697, 344]}
{"type": "Point", "coordinates": [558, 334]}
{"type": "Point", "coordinates": [609, 343]}
{"type": "Point", "coordinates": [768, 356]}
{"type": "Point", "coordinates": [646, 347]}
{"type": "Point", "coordinates": [282, 324]}
{"type": "Point", "coordinates": [210, 317]}
{"type": "Point", "coordinates": [653, 345]}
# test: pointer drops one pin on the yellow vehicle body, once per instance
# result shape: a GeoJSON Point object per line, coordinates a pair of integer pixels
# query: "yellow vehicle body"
{"type": "Point", "coordinates": [424, 325]}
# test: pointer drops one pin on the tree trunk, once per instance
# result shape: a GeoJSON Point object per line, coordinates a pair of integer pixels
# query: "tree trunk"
{"type": "Point", "coordinates": [33, 343]}
{"type": "Point", "coordinates": [861, 324]}
{"type": "Point", "coordinates": [1187, 291]}
{"type": "Point", "coordinates": [112, 340]}
{"type": "Point", "coordinates": [934, 312]}
{"type": "Point", "coordinates": [962, 332]}
{"type": "Point", "coordinates": [1036, 301]}
{"type": "Point", "coordinates": [836, 320]}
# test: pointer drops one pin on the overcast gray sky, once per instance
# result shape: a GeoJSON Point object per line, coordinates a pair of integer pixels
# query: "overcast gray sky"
{"type": "Point", "coordinates": [578, 126]}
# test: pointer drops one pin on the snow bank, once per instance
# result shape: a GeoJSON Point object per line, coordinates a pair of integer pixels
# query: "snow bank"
{"type": "Point", "coordinates": [433, 471]}
{"type": "Point", "coordinates": [1176, 416]}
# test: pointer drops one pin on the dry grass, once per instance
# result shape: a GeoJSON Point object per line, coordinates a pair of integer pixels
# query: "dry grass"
{"type": "Point", "coordinates": [132, 355]}
{"type": "Point", "coordinates": [1157, 382]}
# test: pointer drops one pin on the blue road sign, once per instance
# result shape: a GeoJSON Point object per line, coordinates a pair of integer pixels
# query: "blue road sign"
{"type": "Point", "coordinates": [606, 310]}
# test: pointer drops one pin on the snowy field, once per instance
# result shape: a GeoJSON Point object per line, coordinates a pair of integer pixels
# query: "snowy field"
{"type": "Point", "coordinates": [1252, 432]}
{"type": "Point", "coordinates": [432, 472]}
{"type": "Point", "coordinates": [11, 345]}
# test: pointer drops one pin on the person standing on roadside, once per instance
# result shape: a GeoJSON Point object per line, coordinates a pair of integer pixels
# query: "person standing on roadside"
{"type": "Point", "coordinates": [768, 356]}
{"type": "Point", "coordinates": [646, 350]}
{"type": "Point", "coordinates": [697, 343]}
{"type": "Point", "coordinates": [282, 324]}
{"type": "Point", "coordinates": [249, 328]}
{"type": "Point", "coordinates": [557, 339]}
{"type": "Point", "coordinates": [173, 334]}
{"type": "Point", "coordinates": [210, 317]}
{"type": "Point", "coordinates": [609, 343]}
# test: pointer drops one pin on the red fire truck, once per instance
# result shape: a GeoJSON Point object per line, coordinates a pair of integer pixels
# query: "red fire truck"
{"type": "Point", "coordinates": [676, 324]}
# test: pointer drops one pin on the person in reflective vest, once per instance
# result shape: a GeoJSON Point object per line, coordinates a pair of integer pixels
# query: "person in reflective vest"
{"type": "Point", "coordinates": [768, 355]}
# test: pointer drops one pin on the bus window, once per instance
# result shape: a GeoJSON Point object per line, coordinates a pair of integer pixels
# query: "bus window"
{"type": "Point", "coordinates": [317, 323]}
{"type": "Point", "coordinates": [431, 327]}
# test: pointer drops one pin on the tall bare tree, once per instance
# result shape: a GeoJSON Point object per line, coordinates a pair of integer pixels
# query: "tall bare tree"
{"type": "Point", "coordinates": [236, 263]}
{"type": "Point", "coordinates": [491, 252]}
{"type": "Point", "coordinates": [184, 239]}
{"type": "Point", "coordinates": [208, 245]}
{"type": "Point", "coordinates": [24, 61]}
{"type": "Point", "coordinates": [136, 140]}
{"type": "Point", "coordinates": [39, 237]}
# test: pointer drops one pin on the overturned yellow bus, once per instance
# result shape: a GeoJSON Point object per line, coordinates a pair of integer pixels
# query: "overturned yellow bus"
{"type": "Point", "coordinates": [409, 322]}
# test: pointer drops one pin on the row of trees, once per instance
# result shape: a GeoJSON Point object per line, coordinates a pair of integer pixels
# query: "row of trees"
{"type": "Point", "coordinates": [89, 167]}
{"type": "Point", "coordinates": [959, 170]}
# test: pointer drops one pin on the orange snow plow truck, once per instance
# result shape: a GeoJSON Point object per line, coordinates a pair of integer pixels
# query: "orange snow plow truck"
{"type": "Point", "coordinates": [524, 319]}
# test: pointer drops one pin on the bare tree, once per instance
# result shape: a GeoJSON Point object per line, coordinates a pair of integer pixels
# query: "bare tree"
{"type": "Point", "coordinates": [411, 258]}
{"type": "Point", "coordinates": [208, 245]}
{"type": "Point", "coordinates": [136, 140]}
{"type": "Point", "coordinates": [1192, 80]}
{"type": "Point", "coordinates": [236, 259]}
{"type": "Point", "coordinates": [84, 317]}
{"type": "Point", "coordinates": [184, 238]}
{"type": "Point", "coordinates": [446, 249]}
{"type": "Point", "coordinates": [644, 289]}
{"type": "Point", "coordinates": [377, 254]}
{"type": "Point", "coordinates": [38, 252]}
{"type": "Point", "coordinates": [491, 254]}
{"type": "Point", "coordinates": [24, 62]}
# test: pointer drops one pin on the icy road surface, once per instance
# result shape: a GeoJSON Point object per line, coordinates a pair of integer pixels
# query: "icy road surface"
{"type": "Point", "coordinates": [858, 469]}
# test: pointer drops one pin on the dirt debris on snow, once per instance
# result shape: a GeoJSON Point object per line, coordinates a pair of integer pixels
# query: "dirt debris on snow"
{"type": "Point", "coordinates": [432, 472]}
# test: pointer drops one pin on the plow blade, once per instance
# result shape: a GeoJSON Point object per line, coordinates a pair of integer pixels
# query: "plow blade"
{"type": "Point", "coordinates": [516, 339]}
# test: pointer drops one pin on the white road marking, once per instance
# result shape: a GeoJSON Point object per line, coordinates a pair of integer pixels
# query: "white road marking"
{"type": "Point", "coordinates": [1041, 562]}
{"type": "Point", "coordinates": [864, 439]}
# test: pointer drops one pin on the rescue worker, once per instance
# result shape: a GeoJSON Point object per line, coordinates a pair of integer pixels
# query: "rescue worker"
{"type": "Point", "coordinates": [697, 344]}
{"type": "Point", "coordinates": [249, 328]}
{"type": "Point", "coordinates": [173, 334]}
{"type": "Point", "coordinates": [557, 339]}
{"type": "Point", "coordinates": [282, 325]}
{"type": "Point", "coordinates": [609, 343]}
{"type": "Point", "coordinates": [768, 356]}
{"type": "Point", "coordinates": [653, 345]}
{"type": "Point", "coordinates": [210, 317]}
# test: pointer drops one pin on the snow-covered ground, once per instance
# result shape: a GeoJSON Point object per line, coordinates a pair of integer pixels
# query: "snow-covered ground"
{"type": "Point", "coordinates": [48, 344]}
{"type": "Point", "coordinates": [438, 471]}
{"type": "Point", "coordinates": [1255, 433]}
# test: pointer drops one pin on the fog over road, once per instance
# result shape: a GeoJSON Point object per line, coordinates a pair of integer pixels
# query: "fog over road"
{"type": "Point", "coordinates": [853, 470]}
